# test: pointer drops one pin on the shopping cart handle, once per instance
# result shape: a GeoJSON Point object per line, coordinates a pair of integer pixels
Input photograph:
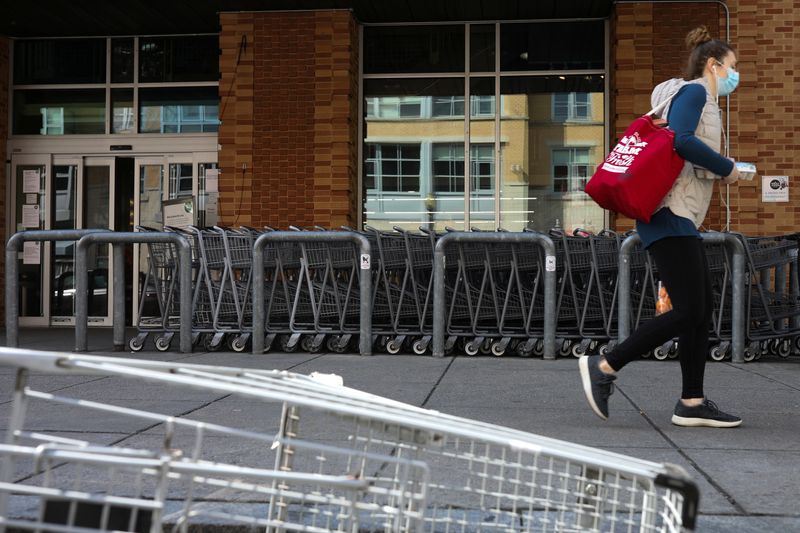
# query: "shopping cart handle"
{"type": "Point", "coordinates": [691, 495]}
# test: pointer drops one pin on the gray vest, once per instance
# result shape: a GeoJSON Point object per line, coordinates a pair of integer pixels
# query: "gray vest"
{"type": "Point", "coordinates": [691, 194]}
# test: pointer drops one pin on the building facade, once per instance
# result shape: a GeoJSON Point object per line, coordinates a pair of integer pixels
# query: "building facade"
{"type": "Point", "coordinates": [438, 114]}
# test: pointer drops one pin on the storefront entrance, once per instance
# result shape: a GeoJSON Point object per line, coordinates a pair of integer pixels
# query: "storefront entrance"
{"type": "Point", "coordinates": [118, 192]}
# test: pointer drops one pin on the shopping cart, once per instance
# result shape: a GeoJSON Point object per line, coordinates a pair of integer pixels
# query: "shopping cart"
{"type": "Point", "coordinates": [342, 460]}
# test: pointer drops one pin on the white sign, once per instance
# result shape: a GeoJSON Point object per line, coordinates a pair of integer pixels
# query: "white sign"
{"type": "Point", "coordinates": [775, 188]}
{"type": "Point", "coordinates": [30, 181]}
{"type": "Point", "coordinates": [32, 198]}
{"type": "Point", "coordinates": [212, 180]}
{"type": "Point", "coordinates": [31, 253]}
{"type": "Point", "coordinates": [550, 263]}
{"type": "Point", "coordinates": [212, 208]}
{"type": "Point", "coordinates": [365, 262]}
{"type": "Point", "coordinates": [30, 216]}
{"type": "Point", "coordinates": [179, 213]}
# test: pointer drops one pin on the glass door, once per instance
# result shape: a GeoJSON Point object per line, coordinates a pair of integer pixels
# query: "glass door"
{"type": "Point", "coordinates": [64, 209]}
{"type": "Point", "coordinates": [97, 211]}
{"type": "Point", "coordinates": [29, 191]}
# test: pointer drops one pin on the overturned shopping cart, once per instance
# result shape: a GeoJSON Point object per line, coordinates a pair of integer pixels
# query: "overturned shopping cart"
{"type": "Point", "coordinates": [321, 457]}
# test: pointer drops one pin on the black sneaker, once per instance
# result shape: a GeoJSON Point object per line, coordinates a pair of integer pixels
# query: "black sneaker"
{"type": "Point", "coordinates": [707, 414]}
{"type": "Point", "coordinates": [597, 385]}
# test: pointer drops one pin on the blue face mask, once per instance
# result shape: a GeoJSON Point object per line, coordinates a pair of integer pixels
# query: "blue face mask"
{"type": "Point", "coordinates": [726, 86]}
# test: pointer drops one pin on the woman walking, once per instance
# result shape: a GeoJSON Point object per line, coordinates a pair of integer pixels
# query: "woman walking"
{"type": "Point", "coordinates": [673, 241]}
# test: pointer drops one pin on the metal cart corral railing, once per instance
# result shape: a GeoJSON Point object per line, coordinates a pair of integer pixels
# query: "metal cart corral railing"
{"type": "Point", "coordinates": [527, 238]}
{"type": "Point", "coordinates": [344, 460]}
{"type": "Point", "coordinates": [321, 237]}
{"type": "Point", "coordinates": [13, 247]}
{"type": "Point", "coordinates": [119, 240]}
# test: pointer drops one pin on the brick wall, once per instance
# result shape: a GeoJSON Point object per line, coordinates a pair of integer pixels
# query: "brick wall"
{"type": "Point", "coordinates": [289, 111]}
{"type": "Point", "coordinates": [647, 48]}
{"type": "Point", "coordinates": [4, 130]}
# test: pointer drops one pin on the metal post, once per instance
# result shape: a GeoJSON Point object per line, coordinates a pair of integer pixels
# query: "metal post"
{"type": "Point", "coordinates": [121, 239]}
{"type": "Point", "coordinates": [738, 282]}
{"type": "Point", "coordinates": [119, 297]}
{"type": "Point", "coordinates": [13, 247]}
{"type": "Point", "coordinates": [737, 305]}
{"type": "Point", "coordinates": [365, 280]}
{"type": "Point", "coordinates": [537, 239]}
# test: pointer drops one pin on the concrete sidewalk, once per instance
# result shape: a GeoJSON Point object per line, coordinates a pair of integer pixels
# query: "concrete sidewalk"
{"type": "Point", "coordinates": [748, 476]}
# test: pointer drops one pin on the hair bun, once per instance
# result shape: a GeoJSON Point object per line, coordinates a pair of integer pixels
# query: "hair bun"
{"type": "Point", "coordinates": [697, 36]}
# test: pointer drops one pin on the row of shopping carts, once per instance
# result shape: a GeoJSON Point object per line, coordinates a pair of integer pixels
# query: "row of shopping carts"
{"type": "Point", "coordinates": [321, 458]}
{"type": "Point", "coordinates": [494, 294]}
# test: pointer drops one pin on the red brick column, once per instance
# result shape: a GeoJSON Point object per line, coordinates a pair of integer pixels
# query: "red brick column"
{"type": "Point", "coordinates": [296, 119]}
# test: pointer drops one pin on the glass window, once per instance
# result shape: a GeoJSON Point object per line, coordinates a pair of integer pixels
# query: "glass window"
{"type": "Point", "coordinates": [121, 60]}
{"type": "Point", "coordinates": [552, 46]}
{"type": "Point", "coordinates": [50, 61]}
{"type": "Point", "coordinates": [481, 48]}
{"type": "Point", "coordinates": [165, 59]}
{"type": "Point", "coordinates": [122, 111]}
{"type": "Point", "coordinates": [208, 194]}
{"type": "Point", "coordinates": [398, 171]}
{"type": "Point", "coordinates": [395, 167]}
{"type": "Point", "coordinates": [571, 106]}
{"type": "Point", "coordinates": [395, 49]}
{"type": "Point", "coordinates": [59, 112]}
{"type": "Point", "coordinates": [180, 180]}
{"type": "Point", "coordinates": [542, 176]}
{"type": "Point", "coordinates": [178, 110]}
{"type": "Point", "coordinates": [571, 169]}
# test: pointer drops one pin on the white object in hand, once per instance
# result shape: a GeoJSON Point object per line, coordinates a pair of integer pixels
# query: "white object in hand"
{"type": "Point", "coordinates": [747, 171]}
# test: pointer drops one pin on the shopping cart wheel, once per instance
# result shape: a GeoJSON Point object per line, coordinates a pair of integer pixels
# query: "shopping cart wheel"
{"type": "Point", "coordinates": [578, 350]}
{"type": "Point", "coordinates": [472, 348]}
{"type": "Point", "coordinates": [239, 344]}
{"type": "Point", "coordinates": [752, 351]}
{"type": "Point", "coordinates": [136, 343]}
{"type": "Point", "coordinates": [393, 347]}
{"type": "Point", "coordinates": [785, 348]}
{"type": "Point", "coordinates": [565, 347]}
{"type": "Point", "coordinates": [420, 346]}
{"type": "Point", "coordinates": [486, 346]}
{"type": "Point", "coordinates": [796, 342]}
{"type": "Point", "coordinates": [498, 350]}
{"type": "Point", "coordinates": [716, 353]}
{"type": "Point", "coordinates": [602, 349]}
{"type": "Point", "coordinates": [660, 354]}
{"type": "Point", "coordinates": [538, 348]}
{"type": "Point", "coordinates": [162, 343]}
{"type": "Point", "coordinates": [288, 343]}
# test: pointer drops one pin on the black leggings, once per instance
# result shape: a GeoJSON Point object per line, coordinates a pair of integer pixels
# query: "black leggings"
{"type": "Point", "coordinates": [683, 269]}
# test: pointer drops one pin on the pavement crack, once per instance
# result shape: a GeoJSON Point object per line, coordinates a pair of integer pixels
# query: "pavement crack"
{"type": "Point", "coordinates": [725, 494]}
{"type": "Point", "coordinates": [768, 378]}
{"type": "Point", "coordinates": [438, 381]}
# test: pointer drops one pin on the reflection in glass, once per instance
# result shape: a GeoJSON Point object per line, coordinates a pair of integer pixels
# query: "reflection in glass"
{"type": "Point", "coordinates": [50, 61]}
{"type": "Point", "coordinates": [208, 194]}
{"type": "Point", "coordinates": [62, 216]}
{"type": "Point", "coordinates": [553, 136]}
{"type": "Point", "coordinates": [122, 60]}
{"type": "Point", "coordinates": [178, 110]}
{"type": "Point", "coordinates": [482, 154]}
{"type": "Point", "coordinates": [482, 48]}
{"type": "Point", "coordinates": [552, 45]}
{"type": "Point", "coordinates": [59, 112]}
{"type": "Point", "coordinates": [166, 59]}
{"type": "Point", "coordinates": [396, 49]}
{"type": "Point", "coordinates": [413, 170]}
{"type": "Point", "coordinates": [180, 180]}
{"type": "Point", "coordinates": [97, 195]}
{"type": "Point", "coordinates": [30, 274]}
{"type": "Point", "coordinates": [150, 195]}
{"type": "Point", "coordinates": [122, 111]}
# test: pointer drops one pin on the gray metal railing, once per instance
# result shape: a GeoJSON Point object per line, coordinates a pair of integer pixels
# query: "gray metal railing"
{"type": "Point", "coordinates": [531, 238]}
{"type": "Point", "coordinates": [13, 247]}
{"type": "Point", "coordinates": [365, 279]}
{"type": "Point", "coordinates": [119, 240]}
{"type": "Point", "coordinates": [734, 245]}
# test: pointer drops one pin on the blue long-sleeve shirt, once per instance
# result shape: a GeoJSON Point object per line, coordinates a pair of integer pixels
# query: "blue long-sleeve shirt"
{"type": "Point", "coordinates": [683, 117]}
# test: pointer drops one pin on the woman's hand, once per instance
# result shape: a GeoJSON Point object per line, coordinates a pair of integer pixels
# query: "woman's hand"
{"type": "Point", "coordinates": [733, 176]}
